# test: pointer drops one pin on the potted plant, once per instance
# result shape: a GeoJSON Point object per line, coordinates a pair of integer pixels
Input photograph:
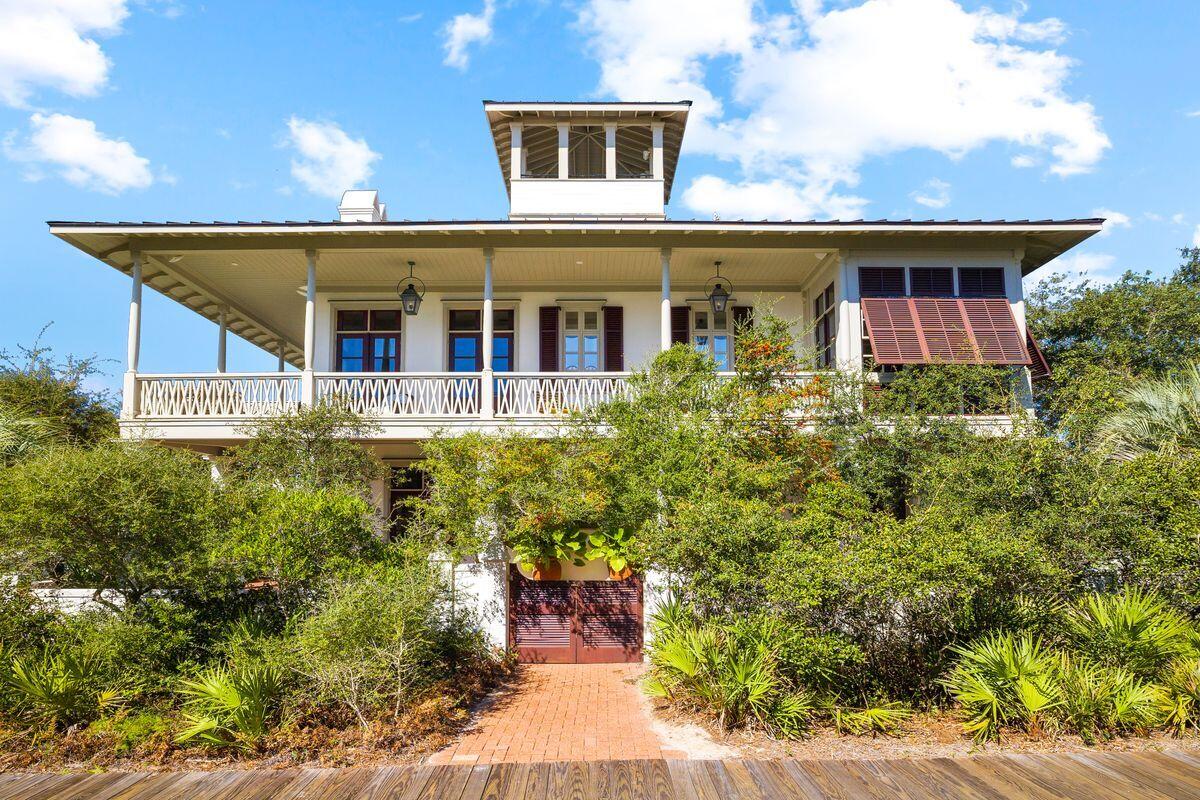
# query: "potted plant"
{"type": "Point", "coordinates": [542, 557]}
{"type": "Point", "coordinates": [612, 547]}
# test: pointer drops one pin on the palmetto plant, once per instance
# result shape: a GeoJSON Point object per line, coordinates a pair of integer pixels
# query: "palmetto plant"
{"type": "Point", "coordinates": [1004, 679]}
{"type": "Point", "coordinates": [1179, 701]}
{"type": "Point", "coordinates": [1159, 415]}
{"type": "Point", "coordinates": [230, 706]}
{"type": "Point", "coordinates": [23, 434]}
{"type": "Point", "coordinates": [727, 671]}
{"type": "Point", "coordinates": [1131, 629]}
{"type": "Point", "coordinates": [59, 688]}
{"type": "Point", "coordinates": [1097, 700]}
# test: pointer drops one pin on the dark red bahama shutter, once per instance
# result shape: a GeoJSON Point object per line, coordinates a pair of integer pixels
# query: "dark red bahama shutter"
{"type": "Point", "coordinates": [743, 317]}
{"type": "Point", "coordinates": [681, 324]}
{"type": "Point", "coordinates": [1040, 370]}
{"type": "Point", "coordinates": [614, 338]}
{"type": "Point", "coordinates": [548, 339]}
{"type": "Point", "coordinates": [926, 330]}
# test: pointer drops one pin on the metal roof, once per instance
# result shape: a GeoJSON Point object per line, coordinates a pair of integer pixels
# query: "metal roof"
{"type": "Point", "coordinates": [642, 222]}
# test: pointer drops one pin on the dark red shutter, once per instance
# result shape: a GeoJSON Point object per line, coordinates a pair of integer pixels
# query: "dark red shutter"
{"type": "Point", "coordinates": [614, 339]}
{"type": "Point", "coordinates": [881, 281]}
{"type": "Point", "coordinates": [995, 331]}
{"type": "Point", "coordinates": [743, 317]}
{"type": "Point", "coordinates": [1041, 367]}
{"type": "Point", "coordinates": [943, 330]}
{"type": "Point", "coordinates": [931, 282]}
{"type": "Point", "coordinates": [892, 326]}
{"type": "Point", "coordinates": [681, 326]}
{"type": "Point", "coordinates": [548, 339]}
{"type": "Point", "coordinates": [980, 282]}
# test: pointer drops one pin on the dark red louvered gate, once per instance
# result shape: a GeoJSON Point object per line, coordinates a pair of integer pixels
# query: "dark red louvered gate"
{"type": "Point", "coordinates": [574, 622]}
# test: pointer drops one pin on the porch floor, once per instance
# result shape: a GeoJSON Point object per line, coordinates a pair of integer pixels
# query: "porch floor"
{"type": "Point", "coordinates": [561, 712]}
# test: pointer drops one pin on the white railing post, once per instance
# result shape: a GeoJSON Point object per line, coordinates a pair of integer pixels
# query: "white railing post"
{"type": "Point", "coordinates": [308, 384]}
{"type": "Point", "coordinates": [487, 386]}
{"type": "Point", "coordinates": [665, 322]}
{"type": "Point", "coordinates": [129, 395]}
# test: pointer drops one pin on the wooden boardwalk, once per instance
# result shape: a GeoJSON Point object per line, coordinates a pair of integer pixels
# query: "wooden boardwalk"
{"type": "Point", "coordinates": [1090, 776]}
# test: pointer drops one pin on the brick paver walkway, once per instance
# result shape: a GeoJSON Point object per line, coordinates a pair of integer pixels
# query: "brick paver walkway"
{"type": "Point", "coordinates": [561, 712]}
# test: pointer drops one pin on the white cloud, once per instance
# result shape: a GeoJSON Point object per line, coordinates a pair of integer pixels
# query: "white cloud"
{"type": "Point", "coordinates": [51, 43]}
{"type": "Point", "coordinates": [825, 90]}
{"type": "Point", "coordinates": [934, 194]}
{"type": "Point", "coordinates": [1177, 218]}
{"type": "Point", "coordinates": [1194, 114]}
{"type": "Point", "coordinates": [465, 30]}
{"type": "Point", "coordinates": [1196, 237]}
{"type": "Point", "coordinates": [1023, 161]}
{"type": "Point", "coordinates": [1112, 220]}
{"type": "Point", "coordinates": [80, 154]}
{"type": "Point", "coordinates": [775, 199]}
{"type": "Point", "coordinates": [407, 18]}
{"type": "Point", "coordinates": [327, 160]}
{"type": "Point", "coordinates": [1093, 268]}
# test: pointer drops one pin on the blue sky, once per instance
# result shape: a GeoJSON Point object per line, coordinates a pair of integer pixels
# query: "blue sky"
{"type": "Point", "coordinates": [125, 110]}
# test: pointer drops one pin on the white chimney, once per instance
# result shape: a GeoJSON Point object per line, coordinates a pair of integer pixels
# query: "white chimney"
{"type": "Point", "coordinates": [361, 205]}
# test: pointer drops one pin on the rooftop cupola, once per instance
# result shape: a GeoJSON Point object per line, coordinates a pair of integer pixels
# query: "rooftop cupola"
{"type": "Point", "coordinates": [605, 160]}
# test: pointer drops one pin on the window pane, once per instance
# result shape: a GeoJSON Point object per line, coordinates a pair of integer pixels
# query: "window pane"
{"type": "Point", "coordinates": [591, 361]}
{"type": "Point", "coordinates": [720, 320]}
{"type": "Point", "coordinates": [463, 353]}
{"type": "Point", "coordinates": [591, 344]}
{"type": "Point", "coordinates": [590, 321]}
{"type": "Point", "coordinates": [571, 320]}
{"type": "Point", "coordinates": [351, 320]}
{"type": "Point", "coordinates": [721, 351]}
{"type": "Point", "coordinates": [702, 320]}
{"type": "Point", "coordinates": [408, 478]}
{"type": "Point", "coordinates": [502, 319]}
{"type": "Point", "coordinates": [464, 320]}
{"type": "Point", "coordinates": [502, 353]}
{"type": "Point", "coordinates": [384, 351]}
{"type": "Point", "coordinates": [385, 319]}
{"type": "Point", "coordinates": [351, 353]}
{"type": "Point", "coordinates": [702, 344]}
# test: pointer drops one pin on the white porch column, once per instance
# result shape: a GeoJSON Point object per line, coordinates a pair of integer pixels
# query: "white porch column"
{"type": "Point", "coordinates": [656, 133]}
{"type": "Point", "coordinates": [222, 331]}
{"type": "Point", "coordinates": [517, 160]}
{"type": "Point", "coordinates": [564, 145]}
{"type": "Point", "coordinates": [281, 351]}
{"type": "Point", "coordinates": [308, 384]}
{"type": "Point", "coordinates": [129, 398]}
{"type": "Point", "coordinates": [665, 255]}
{"type": "Point", "coordinates": [848, 344]}
{"type": "Point", "coordinates": [610, 151]}
{"type": "Point", "coordinates": [487, 406]}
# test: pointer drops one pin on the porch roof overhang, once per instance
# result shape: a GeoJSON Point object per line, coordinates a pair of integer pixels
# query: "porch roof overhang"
{"type": "Point", "coordinates": [257, 269]}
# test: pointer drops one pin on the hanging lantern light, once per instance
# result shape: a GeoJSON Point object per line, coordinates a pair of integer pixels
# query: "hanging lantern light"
{"type": "Point", "coordinates": [718, 295]}
{"type": "Point", "coordinates": [410, 298]}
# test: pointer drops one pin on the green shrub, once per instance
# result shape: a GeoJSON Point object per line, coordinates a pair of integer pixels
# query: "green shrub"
{"type": "Point", "coordinates": [141, 649]}
{"type": "Point", "coordinates": [375, 640]}
{"type": "Point", "coordinates": [230, 706]}
{"type": "Point", "coordinates": [727, 671]}
{"type": "Point", "coordinates": [1004, 679]}
{"type": "Point", "coordinates": [57, 688]}
{"type": "Point", "coordinates": [1179, 701]}
{"type": "Point", "coordinates": [1131, 630]}
{"type": "Point", "coordinates": [25, 621]}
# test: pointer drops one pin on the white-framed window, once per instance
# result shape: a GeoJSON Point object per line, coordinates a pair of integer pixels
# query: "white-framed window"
{"type": "Point", "coordinates": [825, 328]}
{"type": "Point", "coordinates": [712, 334]}
{"type": "Point", "coordinates": [581, 339]}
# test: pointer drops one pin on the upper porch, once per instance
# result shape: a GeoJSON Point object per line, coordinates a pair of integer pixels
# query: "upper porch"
{"type": "Point", "coordinates": [519, 321]}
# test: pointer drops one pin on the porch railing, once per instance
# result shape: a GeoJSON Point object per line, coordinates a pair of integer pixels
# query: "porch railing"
{"type": "Point", "coordinates": [433, 394]}
{"type": "Point", "coordinates": [219, 395]}
{"type": "Point", "coordinates": [403, 395]}
{"type": "Point", "coordinates": [550, 394]}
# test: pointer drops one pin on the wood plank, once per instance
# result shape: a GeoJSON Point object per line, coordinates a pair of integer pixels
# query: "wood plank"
{"type": "Point", "coordinates": [1188, 757]}
{"type": "Point", "coordinates": [538, 778]}
{"type": "Point", "coordinates": [1009, 782]}
{"type": "Point", "coordinates": [929, 784]}
{"type": "Point", "coordinates": [570, 780]}
{"type": "Point", "coordinates": [1123, 782]}
{"type": "Point", "coordinates": [446, 782]}
{"type": "Point", "coordinates": [656, 780]}
{"type": "Point", "coordinates": [1153, 762]}
{"type": "Point", "coordinates": [115, 783]}
{"type": "Point", "coordinates": [774, 781]}
{"type": "Point", "coordinates": [1146, 777]}
{"type": "Point", "coordinates": [21, 785]}
{"type": "Point", "coordinates": [476, 782]}
{"type": "Point", "coordinates": [387, 783]}
{"type": "Point", "coordinates": [1055, 780]}
{"type": "Point", "coordinates": [741, 782]}
{"type": "Point", "coordinates": [956, 775]}
{"type": "Point", "coordinates": [876, 773]}
{"type": "Point", "coordinates": [419, 777]}
{"type": "Point", "coordinates": [505, 782]}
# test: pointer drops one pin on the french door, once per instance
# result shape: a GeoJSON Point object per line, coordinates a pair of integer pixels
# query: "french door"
{"type": "Point", "coordinates": [575, 622]}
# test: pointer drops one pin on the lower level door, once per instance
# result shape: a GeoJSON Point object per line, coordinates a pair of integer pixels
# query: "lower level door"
{"type": "Point", "coordinates": [575, 622]}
